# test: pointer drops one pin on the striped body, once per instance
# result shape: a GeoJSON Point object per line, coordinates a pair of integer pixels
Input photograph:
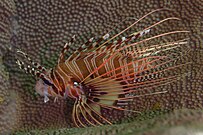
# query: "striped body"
{"type": "Point", "coordinates": [81, 67]}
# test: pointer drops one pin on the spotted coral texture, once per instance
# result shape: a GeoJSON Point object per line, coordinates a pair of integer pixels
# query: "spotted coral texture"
{"type": "Point", "coordinates": [41, 27]}
{"type": "Point", "coordinates": [7, 97]}
{"type": "Point", "coordinates": [181, 122]}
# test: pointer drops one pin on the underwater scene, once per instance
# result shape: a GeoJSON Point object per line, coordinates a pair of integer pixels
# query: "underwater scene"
{"type": "Point", "coordinates": [101, 67]}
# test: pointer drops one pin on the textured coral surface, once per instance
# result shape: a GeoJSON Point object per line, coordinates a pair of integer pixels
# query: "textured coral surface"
{"type": "Point", "coordinates": [41, 27]}
{"type": "Point", "coordinates": [181, 122]}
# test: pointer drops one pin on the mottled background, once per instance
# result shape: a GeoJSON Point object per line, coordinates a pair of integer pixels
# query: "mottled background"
{"type": "Point", "coordinates": [41, 27]}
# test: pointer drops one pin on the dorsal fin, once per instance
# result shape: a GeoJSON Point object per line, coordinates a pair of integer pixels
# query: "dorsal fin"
{"type": "Point", "coordinates": [105, 40]}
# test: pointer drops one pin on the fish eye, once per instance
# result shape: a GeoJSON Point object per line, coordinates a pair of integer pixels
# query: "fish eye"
{"type": "Point", "coordinates": [76, 83]}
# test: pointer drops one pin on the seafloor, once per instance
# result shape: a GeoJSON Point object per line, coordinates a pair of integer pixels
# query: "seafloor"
{"type": "Point", "coordinates": [41, 27]}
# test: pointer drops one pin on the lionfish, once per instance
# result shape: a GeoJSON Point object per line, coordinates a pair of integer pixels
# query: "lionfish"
{"type": "Point", "coordinates": [107, 72]}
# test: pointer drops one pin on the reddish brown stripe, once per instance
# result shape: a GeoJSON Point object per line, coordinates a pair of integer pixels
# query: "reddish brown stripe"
{"type": "Point", "coordinates": [61, 82]}
{"type": "Point", "coordinates": [53, 86]}
{"type": "Point", "coordinates": [74, 93]}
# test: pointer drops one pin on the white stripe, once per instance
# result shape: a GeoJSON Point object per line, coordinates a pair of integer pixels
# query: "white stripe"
{"type": "Point", "coordinates": [106, 65]}
{"type": "Point", "coordinates": [112, 65]}
{"type": "Point", "coordinates": [63, 71]}
{"type": "Point", "coordinates": [93, 61]}
{"type": "Point", "coordinates": [87, 63]}
{"type": "Point", "coordinates": [77, 68]}
{"type": "Point", "coordinates": [63, 82]}
{"type": "Point", "coordinates": [71, 70]}
{"type": "Point", "coordinates": [121, 64]}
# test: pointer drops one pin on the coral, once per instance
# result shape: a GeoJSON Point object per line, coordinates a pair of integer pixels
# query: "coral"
{"type": "Point", "coordinates": [7, 11]}
{"type": "Point", "coordinates": [7, 96]}
{"type": "Point", "coordinates": [182, 122]}
{"type": "Point", "coordinates": [41, 27]}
